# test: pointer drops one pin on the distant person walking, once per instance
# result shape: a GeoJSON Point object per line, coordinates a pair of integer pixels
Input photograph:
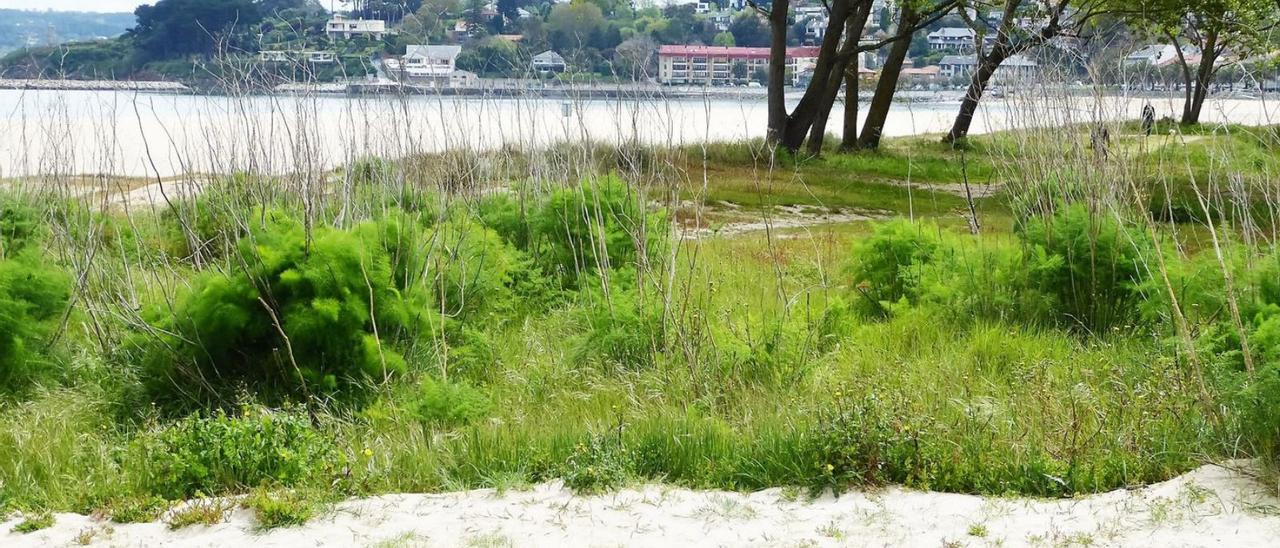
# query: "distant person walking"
{"type": "Point", "coordinates": [1148, 119]}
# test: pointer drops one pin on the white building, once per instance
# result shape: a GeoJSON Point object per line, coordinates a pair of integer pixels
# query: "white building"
{"type": "Point", "coordinates": [715, 65]}
{"type": "Point", "coordinates": [952, 38]}
{"type": "Point", "coordinates": [1013, 69]}
{"type": "Point", "coordinates": [341, 27]}
{"type": "Point", "coordinates": [297, 56]}
{"type": "Point", "coordinates": [429, 61]}
{"type": "Point", "coordinates": [1159, 55]}
{"type": "Point", "coordinates": [549, 61]}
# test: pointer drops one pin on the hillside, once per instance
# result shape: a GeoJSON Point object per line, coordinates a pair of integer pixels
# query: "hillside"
{"type": "Point", "coordinates": [22, 28]}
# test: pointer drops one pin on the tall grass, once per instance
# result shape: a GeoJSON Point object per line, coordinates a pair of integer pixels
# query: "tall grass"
{"type": "Point", "coordinates": [1098, 322]}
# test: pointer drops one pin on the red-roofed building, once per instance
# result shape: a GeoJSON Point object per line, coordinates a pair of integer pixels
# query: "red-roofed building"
{"type": "Point", "coordinates": [715, 65]}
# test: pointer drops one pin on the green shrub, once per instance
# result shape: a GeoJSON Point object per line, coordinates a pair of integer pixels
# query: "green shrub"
{"type": "Point", "coordinates": [302, 316]}
{"type": "Point", "coordinates": [33, 297]}
{"type": "Point", "coordinates": [508, 216]}
{"type": "Point", "coordinates": [449, 404]}
{"type": "Point", "coordinates": [1091, 264]}
{"type": "Point", "coordinates": [471, 268]}
{"type": "Point", "coordinates": [601, 224]}
{"type": "Point", "coordinates": [596, 466]}
{"type": "Point", "coordinates": [137, 509]}
{"type": "Point", "coordinates": [859, 442]}
{"type": "Point", "coordinates": [33, 523]}
{"type": "Point", "coordinates": [220, 453]}
{"type": "Point", "coordinates": [623, 327]}
{"type": "Point", "coordinates": [208, 226]}
{"type": "Point", "coordinates": [287, 508]}
{"type": "Point", "coordinates": [985, 279]}
{"type": "Point", "coordinates": [886, 265]}
{"type": "Point", "coordinates": [19, 225]}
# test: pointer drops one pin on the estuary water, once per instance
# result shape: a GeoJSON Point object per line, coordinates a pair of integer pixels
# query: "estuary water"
{"type": "Point", "coordinates": [149, 135]}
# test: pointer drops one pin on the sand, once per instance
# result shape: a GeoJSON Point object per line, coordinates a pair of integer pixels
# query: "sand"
{"type": "Point", "coordinates": [1211, 506]}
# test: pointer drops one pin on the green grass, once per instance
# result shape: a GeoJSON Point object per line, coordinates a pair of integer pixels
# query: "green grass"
{"type": "Point", "coordinates": [755, 371]}
{"type": "Point", "coordinates": [31, 524]}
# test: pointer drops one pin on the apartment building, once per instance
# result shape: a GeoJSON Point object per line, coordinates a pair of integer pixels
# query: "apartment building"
{"type": "Point", "coordinates": [718, 65]}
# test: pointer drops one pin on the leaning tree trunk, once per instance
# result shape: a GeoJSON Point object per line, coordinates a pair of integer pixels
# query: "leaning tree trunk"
{"type": "Point", "coordinates": [882, 100]}
{"type": "Point", "coordinates": [1198, 89]}
{"type": "Point", "coordinates": [987, 66]}
{"type": "Point", "coordinates": [813, 104]}
{"type": "Point", "coordinates": [845, 58]}
{"type": "Point", "coordinates": [778, 70]}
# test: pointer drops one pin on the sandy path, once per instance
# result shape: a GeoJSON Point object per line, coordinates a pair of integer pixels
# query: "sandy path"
{"type": "Point", "coordinates": [1211, 506]}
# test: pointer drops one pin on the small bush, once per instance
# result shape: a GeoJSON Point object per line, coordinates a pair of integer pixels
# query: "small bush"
{"type": "Point", "coordinates": [1090, 262]}
{"type": "Point", "coordinates": [19, 226]}
{"type": "Point", "coordinates": [471, 268]}
{"type": "Point", "coordinates": [859, 443]}
{"type": "Point", "coordinates": [33, 523]}
{"type": "Point", "coordinates": [200, 512]}
{"type": "Point", "coordinates": [596, 466]}
{"type": "Point", "coordinates": [449, 404]}
{"type": "Point", "coordinates": [602, 224]}
{"type": "Point", "coordinates": [887, 264]}
{"type": "Point", "coordinates": [33, 296]}
{"type": "Point", "coordinates": [222, 453]}
{"type": "Point", "coordinates": [303, 316]}
{"type": "Point", "coordinates": [276, 509]}
{"type": "Point", "coordinates": [622, 327]}
{"type": "Point", "coordinates": [136, 509]}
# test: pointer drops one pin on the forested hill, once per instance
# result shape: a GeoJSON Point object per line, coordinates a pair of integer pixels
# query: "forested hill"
{"type": "Point", "coordinates": [21, 28]}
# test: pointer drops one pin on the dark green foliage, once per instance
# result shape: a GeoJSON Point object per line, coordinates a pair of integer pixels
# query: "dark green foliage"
{"type": "Point", "coordinates": [602, 224]}
{"type": "Point", "coordinates": [623, 326]}
{"type": "Point", "coordinates": [1090, 262]}
{"type": "Point", "coordinates": [887, 264]}
{"type": "Point", "coordinates": [171, 28]}
{"type": "Point", "coordinates": [859, 443]}
{"type": "Point", "coordinates": [33, 296]}
{"type": "Point", "coordinates": [300, 317]}
{"type": "Point", "coordinates": [448, 404]}
{"type": "Point", "coordinates": [19, 225]}
{"type": "Point", "coordinates": [220, 453]}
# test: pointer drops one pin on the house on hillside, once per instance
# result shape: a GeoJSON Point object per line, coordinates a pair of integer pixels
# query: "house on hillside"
{"type": "Point", "coordinates": [427, 65]}
{"type": "Point", "coordinates": [1014, 69]}
{"type": "Point", "coordinates": [297, 56]}
{"type": "Point", "coordinates": [341, 27]}
{"type": "Point", "coordinates": [549, 61]}
{"type": "Point", "coordinates": [952, 38]}
{"type": "Point", "coordinates": [1159, 55]}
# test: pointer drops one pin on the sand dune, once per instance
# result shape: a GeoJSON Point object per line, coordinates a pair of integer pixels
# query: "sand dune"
{"type": "Point", "coordinates": [1211, 506]}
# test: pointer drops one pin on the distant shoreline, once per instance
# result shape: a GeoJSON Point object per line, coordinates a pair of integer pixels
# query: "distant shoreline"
{"type": "Point", "coordinates": [540, 89]}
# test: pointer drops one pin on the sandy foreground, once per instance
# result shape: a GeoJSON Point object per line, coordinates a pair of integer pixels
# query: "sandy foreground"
{"type": "Point", "coordinates": [1211, 506]}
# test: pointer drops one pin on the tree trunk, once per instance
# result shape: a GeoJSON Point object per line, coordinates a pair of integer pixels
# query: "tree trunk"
{"type": "Point", "coordinates": [846, 57]}
{"type": "Point", "coordinates": [778, 70]}
{"type": "Point", "coordinates": [987, 66]}
{"type": "Point", "coordinates": [813, 104]}
{"type": "Point", "coordinates": [849, 138]}
{"type": "Point", "coordinates": [1198, 89]}
{"type": "Point", "coordinates": [882, 100]}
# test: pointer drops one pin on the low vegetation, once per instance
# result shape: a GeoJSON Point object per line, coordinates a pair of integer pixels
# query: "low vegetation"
{"type": "Point", "coordinates": [395, 336]}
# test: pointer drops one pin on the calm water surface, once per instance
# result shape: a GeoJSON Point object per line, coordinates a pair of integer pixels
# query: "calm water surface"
{"type": "Point", "coordinates": [127, 133]}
